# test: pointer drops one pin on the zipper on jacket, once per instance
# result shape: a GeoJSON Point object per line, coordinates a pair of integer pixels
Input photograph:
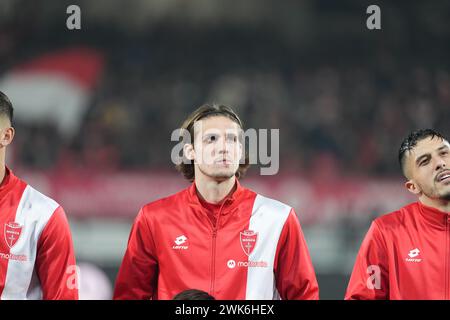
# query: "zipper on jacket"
{"type": "Point", "coordinates": [213, 261]}
{"type": "Point", "coordinates": [447, 258]}
{"type": "Point", "coordinates": [214, 240]}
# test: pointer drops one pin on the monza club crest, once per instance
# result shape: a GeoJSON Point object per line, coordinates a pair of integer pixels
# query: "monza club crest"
{"type": "Point", "coordinates": [12, 233]}
{"type": "Point", "coordinates": [248, 241]}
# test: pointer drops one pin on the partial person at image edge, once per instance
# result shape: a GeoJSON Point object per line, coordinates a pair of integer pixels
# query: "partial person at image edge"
{"type": "Point", "coordinates": [405, 254]}
{"type": "Point", "coordinates": [37, 259]}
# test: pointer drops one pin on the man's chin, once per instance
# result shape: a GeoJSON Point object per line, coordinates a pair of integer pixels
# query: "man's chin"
{"type": "Point", "coordinates": [446, 196]}
{"type": "Point", "coordinates": [222, 176]}
{"type": "Point", "coordinates": [445, 192]}
{"type": "Point", "coordinates": [219, 174]}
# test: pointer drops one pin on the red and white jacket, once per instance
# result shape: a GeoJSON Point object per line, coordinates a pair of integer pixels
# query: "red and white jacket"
{"type": "Point", "coordinates": [405, 255]}
{"type": "Point", "coordinates": [36, 253]}
{"type": "Point", "coordinates": [256, 250]}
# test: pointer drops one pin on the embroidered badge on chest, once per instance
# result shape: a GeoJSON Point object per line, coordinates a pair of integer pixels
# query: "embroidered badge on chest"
{"type": "Point", "coordinates": [12, 233]}
{"type": "Point", "coordinates": [248, 240]}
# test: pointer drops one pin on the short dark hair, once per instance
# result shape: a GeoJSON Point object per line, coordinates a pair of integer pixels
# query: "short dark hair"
{"type": "Point", "coordinates": [203, 112]}
{"type": "Point", "coordinates": [193, 294]}
{"type": "Point", "coordinates": [411, 141]}
{"type": "Point", "coordinates": [6, 108]}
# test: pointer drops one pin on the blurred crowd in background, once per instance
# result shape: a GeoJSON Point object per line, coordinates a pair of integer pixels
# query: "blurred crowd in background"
{"type": "Point", "coordinates": [351, 118]}
{"type": "Point", "coordinates": [344, 105]}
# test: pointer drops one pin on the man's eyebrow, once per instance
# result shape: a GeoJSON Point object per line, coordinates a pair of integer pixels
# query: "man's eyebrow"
{"type": "Point", "coordinates": [424, 156]}
{"type": "Point", "coordinates": [428, 155]}
{"type": "Point", "coordinates": [443, 147]}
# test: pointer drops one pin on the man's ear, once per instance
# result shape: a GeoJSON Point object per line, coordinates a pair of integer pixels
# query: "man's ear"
{"type": "Point", "coordinates": [188, 151]}
{"type": "Point", "coordinates": [6, 136]}
{"type": "Point", "coordinates": [413, 187]}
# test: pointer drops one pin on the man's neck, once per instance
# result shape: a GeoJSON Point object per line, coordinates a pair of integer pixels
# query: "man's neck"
{"type": "Point", "coordinates": [440, 204]}
{"type": "Point", "coordinates": [215, 191]}
{"type": "Point", "coordinates": [2, 169]}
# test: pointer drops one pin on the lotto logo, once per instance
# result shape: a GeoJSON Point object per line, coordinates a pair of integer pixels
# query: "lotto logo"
{"type": "Point", "coordinates": [414, 253]}
{"type": "Point", "coordinates": [414, 256]}
{"type": "Point", "coordinates": [181, 243]}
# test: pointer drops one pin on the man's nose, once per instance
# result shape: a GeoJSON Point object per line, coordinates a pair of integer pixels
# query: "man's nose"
{"type": "Point", "coordinates": [440, 164]}
{"type": "Point", "coordinates": [223, 147]}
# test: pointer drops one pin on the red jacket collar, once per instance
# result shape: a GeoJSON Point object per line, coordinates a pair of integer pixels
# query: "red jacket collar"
{"type": "Point", "coordinates": [8, 182]}
{"type": "Point", "coordinates": [435, 217]}
{"type": "Point", "coordinates": [230, 203]}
